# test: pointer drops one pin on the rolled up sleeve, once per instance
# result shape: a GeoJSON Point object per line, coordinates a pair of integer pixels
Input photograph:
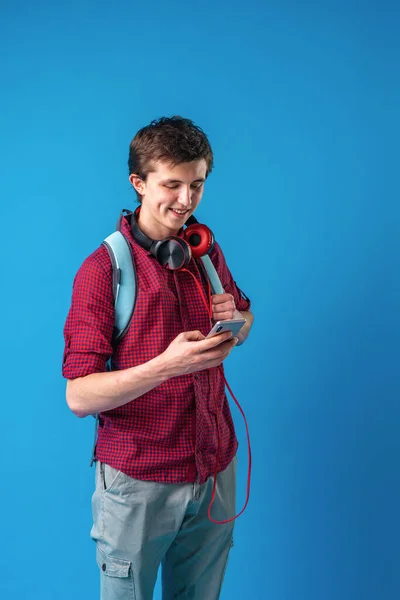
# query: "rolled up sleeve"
{"type": "Point", "coordinates": [90, 321]}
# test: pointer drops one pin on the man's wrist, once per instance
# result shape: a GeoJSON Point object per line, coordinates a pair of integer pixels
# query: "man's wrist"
{"type": "Point", "coordinates": [162, 368]}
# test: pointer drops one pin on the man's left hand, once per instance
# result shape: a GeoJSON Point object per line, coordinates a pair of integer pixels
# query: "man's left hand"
{"type": "Point", "coordinates": [223, 307]}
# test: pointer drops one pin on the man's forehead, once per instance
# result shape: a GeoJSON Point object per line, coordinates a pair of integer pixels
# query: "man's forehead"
{"type": "Point", "coordinates": [193, 169]}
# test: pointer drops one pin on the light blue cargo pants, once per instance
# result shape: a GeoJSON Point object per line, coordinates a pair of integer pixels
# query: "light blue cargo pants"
{"type": "Point", "coordinates": [140, 525]}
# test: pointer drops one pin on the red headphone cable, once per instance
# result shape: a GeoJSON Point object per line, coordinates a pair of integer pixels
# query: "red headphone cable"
{"type": "Point", "coordinates": [208, 306]}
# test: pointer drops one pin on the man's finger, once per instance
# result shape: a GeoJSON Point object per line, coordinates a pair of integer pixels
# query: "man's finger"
{"type": "Point", "coordinates": [223, 307]}
{"type": "Point", "coordinates": [221, 298]}
{"type": "Point", "coordinates": [194, 336]}
{"type": "Point", "coordinates": [215, 340]}
{"type": "Point", "coordinates": [223, 316]}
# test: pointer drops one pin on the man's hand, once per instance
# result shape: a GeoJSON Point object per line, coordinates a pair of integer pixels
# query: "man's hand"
{"type": "Point", "coordinates": [191, 351]}
{"type": "Point", "coordinates": [223, 307]}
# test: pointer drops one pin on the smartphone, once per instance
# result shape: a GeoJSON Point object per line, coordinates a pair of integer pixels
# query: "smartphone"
{"type": "Point", "coordinates": [233, 325]}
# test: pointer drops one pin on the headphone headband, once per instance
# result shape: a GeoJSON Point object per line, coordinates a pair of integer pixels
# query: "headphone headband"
{"type": "Point", "coordinates": [191, 220]}
{"type": "Point", "coordinates": [141, 238]}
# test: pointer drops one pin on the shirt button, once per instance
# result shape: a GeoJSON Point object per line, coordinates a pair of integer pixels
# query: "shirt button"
{"type": "Point", "coordinates": [103, 566]}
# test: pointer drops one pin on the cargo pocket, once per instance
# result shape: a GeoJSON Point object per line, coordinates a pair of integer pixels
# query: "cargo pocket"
{"type": "Point", "coordinates": [117, 579]}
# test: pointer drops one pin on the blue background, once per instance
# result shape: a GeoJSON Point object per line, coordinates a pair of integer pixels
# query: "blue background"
{"type": "Point", "coordinates": [301, 104]}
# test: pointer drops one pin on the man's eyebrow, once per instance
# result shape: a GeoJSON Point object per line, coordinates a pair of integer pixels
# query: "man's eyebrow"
{"type": "Point", "coordinates": [202, 179]}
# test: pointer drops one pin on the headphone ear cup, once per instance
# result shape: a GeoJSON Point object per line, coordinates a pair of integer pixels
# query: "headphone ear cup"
{"type": "Point", "coordinates": [200, 239]}
{"type": "Point", "coordinates": [173, 252]}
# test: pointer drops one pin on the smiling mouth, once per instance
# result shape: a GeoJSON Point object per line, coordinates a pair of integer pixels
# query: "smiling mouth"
{"type": "Point", "coordinates": [179, 212]}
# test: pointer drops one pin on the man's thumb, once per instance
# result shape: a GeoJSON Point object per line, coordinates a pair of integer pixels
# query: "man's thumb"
{"type": "Point", "coordinates": [194, 336]}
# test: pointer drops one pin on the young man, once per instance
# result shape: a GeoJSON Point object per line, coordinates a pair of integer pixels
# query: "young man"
{"type": "Point", "coordinates": [158, 446]}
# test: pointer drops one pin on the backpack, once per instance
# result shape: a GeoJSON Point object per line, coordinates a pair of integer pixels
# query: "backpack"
{"type": "Point", "coordinates": [125, 292]}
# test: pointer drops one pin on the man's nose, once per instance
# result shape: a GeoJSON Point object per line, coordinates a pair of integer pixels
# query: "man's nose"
{"type": "Point", "coordinates": [185, 197]}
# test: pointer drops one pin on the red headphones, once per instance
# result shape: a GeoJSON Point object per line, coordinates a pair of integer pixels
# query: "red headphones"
{"type": "Point", "coordinates": [175, 252]}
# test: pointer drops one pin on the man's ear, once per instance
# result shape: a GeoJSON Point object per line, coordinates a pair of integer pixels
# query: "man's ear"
{"type": "Point", "coordinates": [137, 183]}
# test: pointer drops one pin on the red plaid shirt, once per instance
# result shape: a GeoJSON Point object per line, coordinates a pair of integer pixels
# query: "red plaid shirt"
{"type": "Point", "coordinates": [169, 433]}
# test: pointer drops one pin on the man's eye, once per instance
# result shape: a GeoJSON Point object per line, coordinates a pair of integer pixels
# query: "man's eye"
{"type": "Point", "coordinates": [194, 186]}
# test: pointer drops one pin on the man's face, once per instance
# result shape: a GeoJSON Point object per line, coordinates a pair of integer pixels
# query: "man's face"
{"type": "Point", "coordinates": [170, 195]}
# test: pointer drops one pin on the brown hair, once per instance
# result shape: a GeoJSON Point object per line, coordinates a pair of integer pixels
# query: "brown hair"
{"type": "Point", "coordinates": [171, 139]}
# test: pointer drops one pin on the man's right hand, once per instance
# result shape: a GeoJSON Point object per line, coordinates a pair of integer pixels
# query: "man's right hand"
{"type": "Point", "coordinates": [191, 351]}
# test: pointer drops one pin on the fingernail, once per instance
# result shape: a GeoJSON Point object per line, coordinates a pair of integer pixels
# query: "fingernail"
{"type": "Point", "coordinates": [236, 340]}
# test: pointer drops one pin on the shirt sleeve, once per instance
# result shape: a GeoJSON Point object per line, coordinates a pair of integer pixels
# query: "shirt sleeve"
{"type": "Point", "coordinates": [230, 286]}
{"type": "Point", "coordinates": [90, 322]}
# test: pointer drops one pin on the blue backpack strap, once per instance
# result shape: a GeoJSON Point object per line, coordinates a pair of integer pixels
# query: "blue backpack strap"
{"type": "Point", "coordinates": [215, 282]}
{"type": "Point", "coordinates": [124, 290]}
{"type": "Point", "coordinates": [124, 282]}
